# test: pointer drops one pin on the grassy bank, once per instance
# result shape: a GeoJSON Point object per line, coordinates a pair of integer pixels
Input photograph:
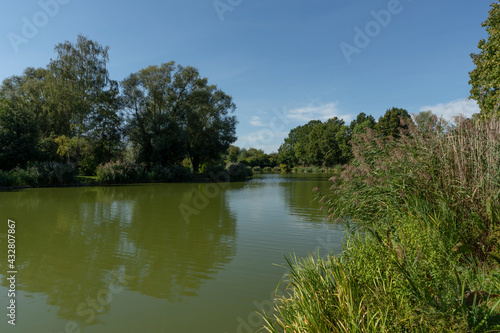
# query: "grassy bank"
{"type": "Point", "coordinates": [61, 174]}
{"type": "Point", "coordinates": [422, 254]}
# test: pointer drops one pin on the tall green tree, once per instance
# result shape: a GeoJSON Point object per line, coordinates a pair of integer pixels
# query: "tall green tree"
{"type": "Point", "coordinates": [232, 154]}
{"type": "Point", "coordinates": [210, 128]}
{"type": "Point", "coordinates": [361, 123]}
{"type": "Point", "coordinates": [329, 143]}
{"type": "Point", "coordinates": [293, 151]}
{"type": "Point", "coordinates": [82, 91]}
{"type": "Point", "coordinates": [485, 78]}
{"type": "Point", "coordinates": [73, 96]}
{"type": "Point", "coordinates": [31, 91]}
{"type": "Point", "coordinates": [154, 102]}
{"type": "Point", "coordinates": [19, 136]}
{"type": "Point", "coordinates": [174, 113]}
{"type": "Point", "coordinates": [392, 122]}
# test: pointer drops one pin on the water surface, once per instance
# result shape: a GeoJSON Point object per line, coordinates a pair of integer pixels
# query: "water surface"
{"type": "Point", "coordinates": [157, 258]}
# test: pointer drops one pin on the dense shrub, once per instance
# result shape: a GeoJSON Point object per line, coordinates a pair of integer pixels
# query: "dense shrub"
{"type": "Point", "coordinates": [239, 172]}
{"type": "Point", "coordinates": [39, 174]}
{"type": "Point", "coordinates": [268, 169]}
{"type": "Point", "coordinates": [126, 172]}
{"type": "Point", "coordinates": [88, 166]}
{"type": "Point", "coordinates": [256, 169]}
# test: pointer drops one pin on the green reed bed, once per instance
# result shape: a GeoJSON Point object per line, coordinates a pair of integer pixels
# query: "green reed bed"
{"type": "Point", "coordinates": [422, 251]}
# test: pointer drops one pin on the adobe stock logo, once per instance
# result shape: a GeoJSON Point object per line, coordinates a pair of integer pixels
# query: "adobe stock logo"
{"type": "Point", "coordinates": [363, 37]}
{"type": "Point", "coordinates": [221, 7]}
{"type": "Point", "coordinates": [30, 28]}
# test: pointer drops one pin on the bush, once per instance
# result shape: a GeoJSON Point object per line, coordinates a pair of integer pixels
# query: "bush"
{"type": "Point", "coordinates": [268, 169]}
{"type": "Point", "coordinates": [121, 172]}
{"type": "Point", "coordinates": [239, 172]}
{"type": "Point", "coordinates": [7, 179]}
{"type": "Point", "coordinates": [179, 173]}
{"type": "Point", "coordinates": [88, 166]}
{"type": "Point", "coordinates": [39, 174]}
{"type": "Point", "coordinates": [126, 172]}
{"type": "Point", "coordinates": [285, 168]}
{"type": "Point", "coordinates": [256, 169]}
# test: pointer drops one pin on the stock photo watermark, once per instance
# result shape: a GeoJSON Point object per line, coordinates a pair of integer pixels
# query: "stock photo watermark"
{"type": "Point", "coordinates": [11, 272]}
{"type": "Point", "coordinates": [92, 306]}
{"type": "Point", "coordinates": [372, 29]}
{"type": "Point", "coordinates": [223, 6]}
{"type": "Point", "coordinates": [32, 25]}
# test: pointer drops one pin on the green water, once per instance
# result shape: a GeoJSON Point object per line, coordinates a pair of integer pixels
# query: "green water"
{"type": "Point", "coordinates": [157, 258]}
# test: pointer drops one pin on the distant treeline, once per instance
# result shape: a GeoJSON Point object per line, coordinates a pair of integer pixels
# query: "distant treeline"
{"type": "Point", "coordinates": [327, 144]}
{"type": "Point", "coordinates": [320, 144]}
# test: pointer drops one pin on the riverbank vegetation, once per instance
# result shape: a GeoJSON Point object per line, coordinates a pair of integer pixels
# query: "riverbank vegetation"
{"type": "Point", "coordinates": [423, 251]}
{"type": "Point", "coordinates": [422, 210]}
{"type": "Point", "coordinates": [164, 117]}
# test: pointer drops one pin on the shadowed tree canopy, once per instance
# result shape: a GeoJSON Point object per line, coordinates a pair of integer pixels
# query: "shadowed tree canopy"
{"type": "Point", "coordinates": [485, 78]}
{"type": "Point", "coordinates": [72, 96]}
{"type": "Point", "coordinates": [174, 113]}
{"type": "Point", "coordinates": [19, 136]}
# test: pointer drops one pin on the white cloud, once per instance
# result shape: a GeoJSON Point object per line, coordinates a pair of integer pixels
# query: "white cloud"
{"type": "Point", "coordinates": [464, 107]}
{"type": "Point", "coordinates": [256, 121]}
{"type": "Point", "coordinates": [320, 112]}
{"type": "Point", "coordinates": [265, 139]}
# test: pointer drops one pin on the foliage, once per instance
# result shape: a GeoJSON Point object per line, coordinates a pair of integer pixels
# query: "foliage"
{"type": "Point", "coordinates": [293, 151]}
{"type": "Point", "coordinates": [252, 157]}
{"type": "Point", "coordinates": [19, 135]}
{"type": "Point", "coordinates": [422, 253]}
{"type": "Point", "coordinates": [72, 97]}
{"type": "Point", "coordinates": [322, 144]}
{"type": "Point", "coordinates": [239, 171]}
{"type": "Point", "coordinates": [485, 78]}
{"type": "Point", "coordinates": [39, 174]}
{"type": "Point", "coordinates": [82, 87]}
{"type": "Point", "coordinates": [126, 172]}
{"type": "Point", "coordinates": [175, 113]}
{"type": "Point", "coordinates": [392, 122]}
{"type": "Point", "coordinates": [361, 123]}
{"type": "Point", "coordinates": [88, 166]}
{"type": "Point", "coordinates": [121, 172]}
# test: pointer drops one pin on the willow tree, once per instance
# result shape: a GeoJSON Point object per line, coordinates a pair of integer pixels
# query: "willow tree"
{"type": "Point", "coordinates": [485, 78]}
{"type": "Point", "coordinates": [174, 113]}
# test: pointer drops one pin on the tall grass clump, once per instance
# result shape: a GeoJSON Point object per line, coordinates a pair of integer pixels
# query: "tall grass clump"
{"type": "Point", "coordinates": [422, 251]}
{"type": "Point", "coordinates": [121, 172]}
{"type": "Point", "coordinates": [452, 172]}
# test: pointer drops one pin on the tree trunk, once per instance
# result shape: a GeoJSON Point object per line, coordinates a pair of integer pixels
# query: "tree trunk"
{"type": "Point", "coordinates": [195, 161]}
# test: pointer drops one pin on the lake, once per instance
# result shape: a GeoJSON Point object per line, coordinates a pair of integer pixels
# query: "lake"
{"type": "Point", "coordinates": [192, 257]}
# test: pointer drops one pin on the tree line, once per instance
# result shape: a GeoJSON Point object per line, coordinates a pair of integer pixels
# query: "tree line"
{"type": "Point", "coordinates": [326, 144]}
{"type": "Point", "coordinates": [72, 111]}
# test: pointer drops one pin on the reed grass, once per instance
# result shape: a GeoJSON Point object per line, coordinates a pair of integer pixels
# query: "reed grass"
{"type": "Point", "coordinates": [422, 249]}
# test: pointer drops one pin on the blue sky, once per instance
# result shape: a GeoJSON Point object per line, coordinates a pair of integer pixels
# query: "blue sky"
{"type": "Point", "coordinates": [284, 62]}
